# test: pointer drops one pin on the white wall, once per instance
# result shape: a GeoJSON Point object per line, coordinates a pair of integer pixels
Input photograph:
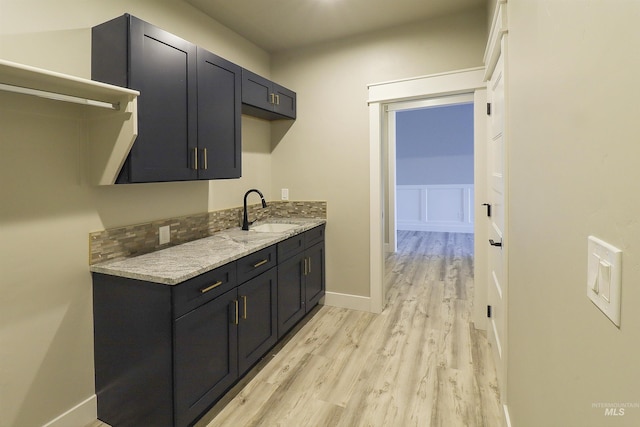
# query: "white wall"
{"type": "Point", "coordinates": [435, 145]}
{"type": "Point", "coordinates": [47, 210]}
{"type": "Point", "coordinates": [325, 154]}
{"type": "Point", "coordinates": [572, 83]}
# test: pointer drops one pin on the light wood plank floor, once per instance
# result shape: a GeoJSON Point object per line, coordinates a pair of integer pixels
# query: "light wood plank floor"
{"type": "Point", "coordinates": [419, 363]}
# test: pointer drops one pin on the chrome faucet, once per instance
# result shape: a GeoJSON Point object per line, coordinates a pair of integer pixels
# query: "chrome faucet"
{"type": "Point", "coordinates": [245, 218]}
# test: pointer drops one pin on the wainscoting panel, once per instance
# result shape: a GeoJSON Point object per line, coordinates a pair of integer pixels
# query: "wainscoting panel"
{"type": "Point", "coordinates": [446, 208]}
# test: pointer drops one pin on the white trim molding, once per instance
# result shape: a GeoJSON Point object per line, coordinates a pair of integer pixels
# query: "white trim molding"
{"type": "Point", "coordinates": [81, 415]}
{"type": "Point", "coordinates": [451, 83]}
{"type": "Point", "coordinates": [498, 29]}
{"type": "Point", "coordinates": [353, 302]}
{"type": "Point", "coordinates": [507, 417]}
{"type": "Point", "coordinates": [380, 94]}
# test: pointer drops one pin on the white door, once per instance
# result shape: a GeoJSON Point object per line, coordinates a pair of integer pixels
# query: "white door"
{"type": "Point", "coordinates": [497, 292]}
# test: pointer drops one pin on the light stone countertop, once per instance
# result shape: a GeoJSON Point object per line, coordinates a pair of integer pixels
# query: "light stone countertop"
{"type": "Point", "coordinates": [182, 262]}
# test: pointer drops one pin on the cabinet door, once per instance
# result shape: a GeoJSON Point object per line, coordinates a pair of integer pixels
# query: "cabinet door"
{"type": "Point", "coordinates": [163, 69]}
{"type": "Point", "coordinates": [205, 356]}
{"type": "Point", "coordinates": [257, 329]}
{"type": "Point", "coordinates": [285, 101]}
{"type": "Point", "coordinates": [219, 115]}
{"type": "Point", "coordinates": [256, 90]}
{"type": "Point", "coordinates": [291, 298]}
{"type": "Point", "coordinates": [315, 276]}
{"type": "Point", "coordinates": [265, 99]}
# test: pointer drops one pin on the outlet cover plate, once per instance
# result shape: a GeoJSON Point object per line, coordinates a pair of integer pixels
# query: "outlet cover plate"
{"type": "Point", "coordinates": [164, 234]}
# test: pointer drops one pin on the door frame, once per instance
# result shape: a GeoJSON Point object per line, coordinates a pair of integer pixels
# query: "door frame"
{"type": "Point", "coordinates": [380, 95]}
{"type": "Point", "coordinates": [497, 47]}
{"type": "Point", "coordinates": [390, 217]}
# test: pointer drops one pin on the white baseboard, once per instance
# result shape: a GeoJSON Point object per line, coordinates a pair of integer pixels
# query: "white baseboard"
{"type": "Point", "coordinates": [81, 415]}
{"type": "Point", "coordinates": [507, 418]}
{"type": "Point", "coordinates": [354, 302]}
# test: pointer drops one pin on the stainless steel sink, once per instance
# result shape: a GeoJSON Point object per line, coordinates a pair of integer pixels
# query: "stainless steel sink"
{"type": "Point", "coordinates": [273, 227]}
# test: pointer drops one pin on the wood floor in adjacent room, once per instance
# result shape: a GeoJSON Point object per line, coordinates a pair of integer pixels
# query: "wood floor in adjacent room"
{"type": "Point", "coordinates": [419, 363]}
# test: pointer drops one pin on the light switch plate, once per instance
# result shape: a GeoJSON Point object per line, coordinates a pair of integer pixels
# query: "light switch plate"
{"type": "Point", "coordinates": [284, 194]}
{"type": "Point", "coordinates": [604, 277]}
{"type": "Point", "coordinates": [164, 234]}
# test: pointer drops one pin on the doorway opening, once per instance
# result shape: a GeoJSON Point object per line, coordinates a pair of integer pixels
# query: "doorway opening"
{"type": "Point", "coordinates": [430, 185]}
{"type": "Point", "coordinates": [408, 94]}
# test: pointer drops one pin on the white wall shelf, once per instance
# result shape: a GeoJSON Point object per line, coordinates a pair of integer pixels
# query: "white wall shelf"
{"type": "Point", "coordinates": [111, 112]}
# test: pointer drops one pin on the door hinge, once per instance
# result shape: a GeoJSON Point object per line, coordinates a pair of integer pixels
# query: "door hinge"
{"type": "Point", "coordinates": [488, 108]}
{"type": "Point", "coordinates": [489, 311]}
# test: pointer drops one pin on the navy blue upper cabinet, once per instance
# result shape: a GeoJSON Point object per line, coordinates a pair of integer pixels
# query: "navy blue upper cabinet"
{"type": "Point", "coordinates": [176, 140]}
{"type": "Point", "coordinates": [265, 99]}
{"type": "Point", "coordinates": [219, 115]}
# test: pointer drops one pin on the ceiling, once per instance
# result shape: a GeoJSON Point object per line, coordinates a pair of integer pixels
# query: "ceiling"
{"type": "Point", "coordinates": [277, 25]}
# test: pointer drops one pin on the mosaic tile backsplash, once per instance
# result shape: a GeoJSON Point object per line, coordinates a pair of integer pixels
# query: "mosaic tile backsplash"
{"type": "Point", "coordinates": [132, 240]}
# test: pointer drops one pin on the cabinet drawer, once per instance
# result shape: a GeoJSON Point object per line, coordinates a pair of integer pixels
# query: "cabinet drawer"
{"type": "Point", "coordinates": [203, 288]}
{"type": "Point", "coordinates": [315, 235]}
{"type": "Point", "coordinates": [256, 263]}
{"type": "Point", "coordinates": [290, 247]}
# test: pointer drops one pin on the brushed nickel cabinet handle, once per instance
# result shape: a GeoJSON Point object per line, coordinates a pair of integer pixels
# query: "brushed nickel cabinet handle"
{"type": "Point", "coordinates": [263, 262]}
{"type": "Point", "coordinates": [309, 265]}
{"type": "Point", "coordinates": [277, 99]}
{"type": "Point", "coordinates": [206, 160]}
{"type": "Point", "coordinates": [209, 288]}
{"type": "Point", "coordinates": [244, 307]}
{"type": "Point", "coordinates": [236, 320]}
{"type": "Point", "coordinates": [272, 98]}
{"type": "Point", "coordinates": [305, 267]}
{"type": "Point", "coordinates": [195, 157]}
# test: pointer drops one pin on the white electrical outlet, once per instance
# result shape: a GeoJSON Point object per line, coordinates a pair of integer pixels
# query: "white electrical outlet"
{"type": "Point", "coordinates": [164, 234]}
{"type": "Point", "coordinates": [285, 194]}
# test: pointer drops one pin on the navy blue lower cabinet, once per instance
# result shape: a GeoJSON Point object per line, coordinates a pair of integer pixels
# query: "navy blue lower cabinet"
{"type": "Point", "coordinates": [257, 326]}
{"type": "Point", "coordinates": [315, 279]}
{"type": "Point", "coordinates": [291, 296]}
{"type": "Point", "coordinates": [301, 277]}
{"type": "Point", "coordinates": [133, 351]}
{"type": "Point", "coordinates": [206, 356]}
{"type": "Point", "coordinates": [164, 355]}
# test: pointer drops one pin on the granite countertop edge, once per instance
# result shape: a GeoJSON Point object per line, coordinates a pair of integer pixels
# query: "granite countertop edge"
{"type": "Point", "coordinates": [176, 264]}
